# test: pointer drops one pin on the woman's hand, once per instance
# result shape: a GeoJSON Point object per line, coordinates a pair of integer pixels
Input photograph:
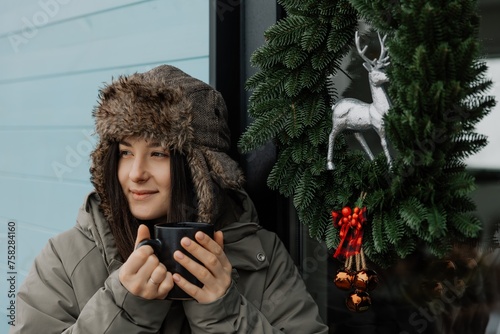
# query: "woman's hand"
{"type": "Point", "coordinates": [215, 275]}
{"type": "Point", "coordinates": [142, 274]}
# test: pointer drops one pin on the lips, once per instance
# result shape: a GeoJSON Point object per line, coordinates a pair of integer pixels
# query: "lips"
{"type": "Point", "coordinates": [140, 195]}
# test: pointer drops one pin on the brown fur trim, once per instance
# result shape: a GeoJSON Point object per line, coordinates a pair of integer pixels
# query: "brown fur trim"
{"type": "Point", "coordinates": [224, 169]}
{"type": "Point", "coordinates": [97, 177]}
{"type": "Point", "coordinates": [132, 106]}
{"type": "Point", "coordinates": [203, 185]}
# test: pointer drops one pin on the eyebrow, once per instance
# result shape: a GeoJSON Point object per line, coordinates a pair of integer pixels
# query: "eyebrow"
{"type": "Point", "coordinates": [150, 145]}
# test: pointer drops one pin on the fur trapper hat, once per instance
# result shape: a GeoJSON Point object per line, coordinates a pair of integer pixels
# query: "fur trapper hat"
{"type": "Point", "coordinates": [180, 112]}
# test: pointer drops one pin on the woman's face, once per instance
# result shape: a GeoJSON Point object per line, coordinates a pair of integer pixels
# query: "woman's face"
{"type": "Point", "coordinates": [144, 174]}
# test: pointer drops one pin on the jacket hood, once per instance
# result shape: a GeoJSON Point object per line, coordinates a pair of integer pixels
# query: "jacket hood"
{"type": "Point", "coordinates": [167, 106]}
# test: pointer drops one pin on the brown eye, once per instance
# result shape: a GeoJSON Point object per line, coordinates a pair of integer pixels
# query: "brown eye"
{"type": "Point", "coordinates": [160, 154]}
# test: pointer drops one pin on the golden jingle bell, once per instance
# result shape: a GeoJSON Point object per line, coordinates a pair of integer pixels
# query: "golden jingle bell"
{"type": "Point", "coordinates": [365, 280]}
{"type": "Point", "coordinates": [358, 301]}
{"type": "Point", "coordinates": [344, 279]}
{"type": "Point", "coordinates": [432, 290]}
{"type": "Point", "coordinates": [442, 270]}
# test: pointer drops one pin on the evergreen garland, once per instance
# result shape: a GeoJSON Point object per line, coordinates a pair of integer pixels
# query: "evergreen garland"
{"type": "Point", "coordinates": [436, 86]}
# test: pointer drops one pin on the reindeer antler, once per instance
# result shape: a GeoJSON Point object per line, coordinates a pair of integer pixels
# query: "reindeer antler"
{"type": "Point", "coordinates": [371, 64]}
{"type": "Point", "coordinates": [383, 59]}
{"type": "Point", "coordinates": [361, 52]}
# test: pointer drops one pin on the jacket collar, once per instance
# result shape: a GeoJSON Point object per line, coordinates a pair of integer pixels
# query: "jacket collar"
{"type": "Point", "coordinates": [91, 223]}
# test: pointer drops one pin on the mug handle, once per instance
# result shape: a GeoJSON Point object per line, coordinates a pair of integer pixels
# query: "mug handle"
{"type": "Point", "coordinates": [154, 243]}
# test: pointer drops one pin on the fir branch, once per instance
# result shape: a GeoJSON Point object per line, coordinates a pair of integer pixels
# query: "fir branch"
{"type": "Point", "coordinates": [441, 248]}
{"type": "Point", "coordinates": [412, 212]}
{"type": "Point", "coordinates": [466, 224]}
{"type": "Point", "coordinates": [462, 204]}
{"type": "Point", "coordinates": [293, 57]}
{"type": "Point", "coordinates": [317, 221]}
{"type": "Point", "coordinates": [331, 236]}
{"type": "Point", "coordinates": [314, 35]}
{"type": "Point", "coordinates": [467, 144]}
{"type": "Point", "coordinates": [284, 174]}
{"type": "Point", "coordinates": [287, 31]}
{"type": "Point", "coordinates": [306, 191]}
{"type": "Point", "coordinates": [459, 184]}
{"type": "Point", "coordinates": [262, 108]}
{"type": "Point", "coordinates": [394, 227]}
{"type": "Point", "coordinates": [406, 246]}
{"type": "Point", "coordinates": [379, 241]}
{"type": "Point", "coordinates": [436, 219]}
{"type": "Point", "coordinates": [268, 57]}
{"type": "Point", "coordinates": [271, 87]}
{"type": "Point", "coordinates": [263, 129]}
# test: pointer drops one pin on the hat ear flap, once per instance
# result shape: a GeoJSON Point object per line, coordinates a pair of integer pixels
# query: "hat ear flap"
{"type": "Point", "coordinates": [208, 167]}
{"type": "Point", "coordinates": [202, 184]}
{"type": "Point", "coordinates": [97, 172]}
{"type": "Point", "coordinates": [224, 170]}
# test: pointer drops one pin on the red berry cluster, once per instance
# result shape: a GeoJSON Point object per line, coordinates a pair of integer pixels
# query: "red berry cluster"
{"type": "Point", "coordinates": [354, 218]}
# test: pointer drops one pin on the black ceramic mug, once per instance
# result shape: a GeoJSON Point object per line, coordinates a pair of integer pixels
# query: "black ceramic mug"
{"type": "Point", "coordinates": [167, 240]}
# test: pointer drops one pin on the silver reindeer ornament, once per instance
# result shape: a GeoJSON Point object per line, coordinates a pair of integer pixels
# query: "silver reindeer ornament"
{"type": "Point", "coordinates": [356, 115]}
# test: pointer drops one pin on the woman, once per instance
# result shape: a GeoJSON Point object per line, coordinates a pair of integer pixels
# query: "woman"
{"type": "Point", "coordinates": [162, 157]}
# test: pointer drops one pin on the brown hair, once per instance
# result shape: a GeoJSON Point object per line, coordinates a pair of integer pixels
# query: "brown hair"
{"type": "Point", "coordinates": [123, 224]}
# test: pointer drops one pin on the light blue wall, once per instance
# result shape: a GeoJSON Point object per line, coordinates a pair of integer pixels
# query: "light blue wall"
{"type": "Point", "coordinates": [54, 55]}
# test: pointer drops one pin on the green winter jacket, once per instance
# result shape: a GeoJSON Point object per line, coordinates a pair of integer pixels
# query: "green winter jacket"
{"type": "Point", "coordinates": [73, 287]}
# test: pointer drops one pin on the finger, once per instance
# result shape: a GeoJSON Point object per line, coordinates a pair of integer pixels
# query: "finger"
{"type": "Point", "coordinates": [198, 251]}
{"type": "Point", "coordinates": [143, 283]}
{"type": "Point", "coordinates": [209, 253]}
{"type": "Point", "coordinates": [142, 234]}
{"type": "Point", "coordinates": [159, 274]}
{"type": "Point", "coordinates": [199, 271]}
{"type": "Point", "coordinates": [137, 259]}
{"type": "Point", "coordinates": [147, 269]}
{"type": "Point", "coordinates": [219, 238]}
{"type": "Point", "coordinates": [165, 286]}
{"type": "Point", "coordinates": [208, 243]}
{"type": "Point", "coordinates": [201, 295]}
{"type": "Point", "coordinates": [188, 263]}
{"type": "Point", "coordinates": [213, 246]}
{"type": "Point", "coordinates": [189, 288]}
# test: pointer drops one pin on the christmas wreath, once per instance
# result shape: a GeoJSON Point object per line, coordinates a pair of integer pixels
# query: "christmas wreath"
{"type": "Point", "coordinates": [436, 86]}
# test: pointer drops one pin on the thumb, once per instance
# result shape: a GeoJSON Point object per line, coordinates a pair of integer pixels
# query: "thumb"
{"type": "Point", "coordinates": [142, 234]}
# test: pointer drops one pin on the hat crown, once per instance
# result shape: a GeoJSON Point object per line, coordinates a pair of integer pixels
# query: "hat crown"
{"type": "Point", "coordinates": [208, 109]}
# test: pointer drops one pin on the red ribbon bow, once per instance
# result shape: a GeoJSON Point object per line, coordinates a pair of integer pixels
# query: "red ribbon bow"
{"type": "Point", "coordinates": [351, 230]}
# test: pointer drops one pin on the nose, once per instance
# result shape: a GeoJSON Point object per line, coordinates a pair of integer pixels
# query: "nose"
{"type": "Point", "coordinates": [138, 171]}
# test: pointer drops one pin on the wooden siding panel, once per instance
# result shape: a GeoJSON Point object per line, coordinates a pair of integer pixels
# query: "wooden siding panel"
{"type": "Point", "coordinates": [68, 99]}
{"type": "Point", "coordinates": [50, 155]}
{"type": "Point", "coordinates": [48, 87]}
{"type": "Point", "coordinates": [17, 15]}
{"type": "Point", "coordinates": [42, 203]}
{"type": "Point", "coordinates": [150, 32]}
